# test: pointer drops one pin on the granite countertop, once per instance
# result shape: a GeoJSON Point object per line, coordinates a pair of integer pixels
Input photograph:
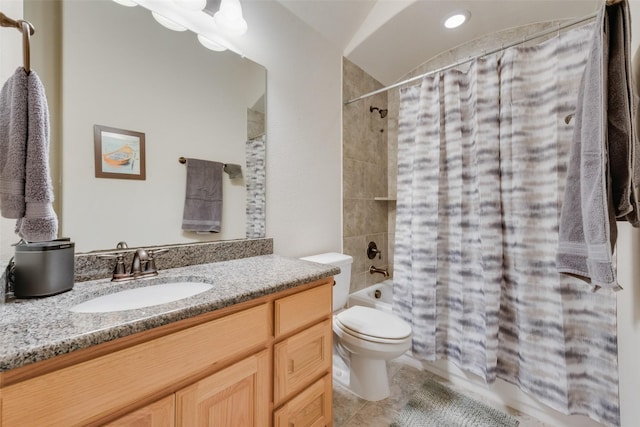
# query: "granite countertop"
{"type": "Point", "coordinates": [33, 330]}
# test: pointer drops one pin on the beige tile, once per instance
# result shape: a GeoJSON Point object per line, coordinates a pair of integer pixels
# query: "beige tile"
{"type": "Point", "coordinates": [354, 179]}
{"type": "Point", "coordinates": [352, 129]}
{"type": "Point", "coordinates": [406, 377]}
{"type": "Point", "coordinates": [345, 404]}
{"type": "Point", "coordinates": [373, 414]}
{"type": "Point", "coordinates": [358, 281]}
{"type": "Point", "coordinates": [352, 77]}
{"type": "Point", "coordinates": [361, 217]}
{"type": "Point", "coordinates": [356, 247]}
{"type": "Point", "coordinates": [356, 217]}
{"type": "Point", "coordinates": [376, 217]}
{"type": "Point", "coordinates": [375, 180]}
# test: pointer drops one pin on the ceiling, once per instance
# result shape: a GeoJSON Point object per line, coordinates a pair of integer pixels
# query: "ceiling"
{"type": "Point", "coordinates": [389, 38]}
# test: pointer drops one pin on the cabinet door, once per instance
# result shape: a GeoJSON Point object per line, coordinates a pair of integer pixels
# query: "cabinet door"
{"type": "Point", "coordinates": [235, 396]}
{"type": "Point", "coordinates": [85, 392]}
{"type": "Point", "coordinates": [311, 408]}
{"type": "Point", "coordinates": [157, 414]}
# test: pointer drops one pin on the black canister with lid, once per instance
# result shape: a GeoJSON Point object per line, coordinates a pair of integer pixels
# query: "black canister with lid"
{"type": "Point", "coordinates": [43, 268]}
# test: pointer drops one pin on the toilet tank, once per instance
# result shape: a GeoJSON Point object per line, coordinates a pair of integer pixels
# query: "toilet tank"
{"type": "Point", "coordinates": [343, 280]}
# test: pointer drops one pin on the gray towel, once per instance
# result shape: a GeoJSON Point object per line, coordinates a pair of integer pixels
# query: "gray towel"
{"type": "Point", "coordinates": [599, 178]}
{"type": "Point", "coordinates": [234, 171]}
{"type": "Point", "coordinates": [621, 105]}
{"type": "Point", "coordinates": [203, 197]}
{"type": "Point", "coordinates": [26, 193]}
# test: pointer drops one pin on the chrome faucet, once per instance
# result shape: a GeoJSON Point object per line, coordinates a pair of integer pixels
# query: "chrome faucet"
{"type": "Point", "coordinates": [382, 271]}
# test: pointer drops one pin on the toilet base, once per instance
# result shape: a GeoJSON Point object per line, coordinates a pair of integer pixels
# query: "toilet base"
{"type": "Point", "coordinates": [368, 378]}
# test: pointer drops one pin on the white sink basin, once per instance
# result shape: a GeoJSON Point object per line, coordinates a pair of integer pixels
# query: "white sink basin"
{"type": "Point", "coordinates": [146, 296]}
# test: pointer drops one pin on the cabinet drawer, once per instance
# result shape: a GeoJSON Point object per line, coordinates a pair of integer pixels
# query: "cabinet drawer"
{"type": "Point", "coordinates": [300, 359]}
{"type": "Point", "coordinates": [310, 408]}
{"type": "Point", "coordinates": [304, 308]}
{"type": "Point", "coordinates": [88, 391]}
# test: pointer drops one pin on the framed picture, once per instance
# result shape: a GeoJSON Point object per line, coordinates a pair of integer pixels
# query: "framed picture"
{"type": "Point", "coordinates": [119, 153]}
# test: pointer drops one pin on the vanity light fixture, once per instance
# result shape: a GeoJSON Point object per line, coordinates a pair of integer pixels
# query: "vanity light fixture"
{"type": "Point", "coordinates": [182, 15]}
{"type": "Point", "coordinates": [192, 4]}
{"type": "Point", "coordinates": [166, 22]}
{"type": "Point", "coordinates": [456, 19]}
{"type": "Point", "coordinates": [229, 18]}
{"type": "Point", "coordinates": [210, 44]}
{"type": "Point", "coordinates": [128, 3]}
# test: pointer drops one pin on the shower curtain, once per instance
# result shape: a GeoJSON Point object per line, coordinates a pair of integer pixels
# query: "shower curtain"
{"type": "Point", "coordinates": [482, 157]}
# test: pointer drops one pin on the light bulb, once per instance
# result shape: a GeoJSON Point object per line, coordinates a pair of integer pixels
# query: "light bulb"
{"type": "Point", "coordinates": [210, 44]}
{"type": "Point", "coordinates": [192, 4]}
{"type": "Point", "coordinates": [166, 22]}
{"type": "Point", "coordinates": [128, 3]}
{"type": "Point", "coordinates": [229, 18]}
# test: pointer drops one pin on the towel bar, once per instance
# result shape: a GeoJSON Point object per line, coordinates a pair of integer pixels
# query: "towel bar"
{"type": "Point", "coordinates": [233, 175]}
{"type": "Point", "coordinates": [22, 26]}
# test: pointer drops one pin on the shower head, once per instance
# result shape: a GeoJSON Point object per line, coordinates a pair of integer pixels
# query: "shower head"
{"type": "Point", "coordinates": [383, 113]}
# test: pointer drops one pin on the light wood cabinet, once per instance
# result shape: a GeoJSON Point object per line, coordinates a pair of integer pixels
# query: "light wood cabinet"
{"type": "Point", "coordinates": [302, 359]}
{"type": "Point", "coordinates": [235, 396]}
{"type": "Point", "coordinates": [311, 408]}
{"type": "Point", "coordinates": [238, 366]}
{"type": "Point", "coordinates": [157, 414]}
{"type": "Point", "coordinates": [86, 392]}
{"type": "Point", "coordinates": [302, 309]}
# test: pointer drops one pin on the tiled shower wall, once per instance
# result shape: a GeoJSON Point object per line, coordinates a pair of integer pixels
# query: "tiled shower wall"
{"type": "Point", "coordinates": [364, 169]}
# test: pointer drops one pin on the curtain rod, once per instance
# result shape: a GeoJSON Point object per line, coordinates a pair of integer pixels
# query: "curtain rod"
{"type": "Point", "coordinates": [491, 52]}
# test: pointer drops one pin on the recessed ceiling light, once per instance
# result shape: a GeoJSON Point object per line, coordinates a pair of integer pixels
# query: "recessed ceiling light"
{"type": "Point", "coordinates": [456, 19]}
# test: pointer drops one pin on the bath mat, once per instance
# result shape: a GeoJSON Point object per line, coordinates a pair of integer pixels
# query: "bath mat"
{"type": "Point", "coordinates": [435, 405]}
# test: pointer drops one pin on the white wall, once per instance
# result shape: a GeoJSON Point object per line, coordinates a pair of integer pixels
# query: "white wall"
{"type": "Point", "coordinates": [304, 142]}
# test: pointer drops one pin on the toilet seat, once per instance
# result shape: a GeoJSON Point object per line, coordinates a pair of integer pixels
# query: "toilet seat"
{"type": "Point", "coordinates": [372, 325]}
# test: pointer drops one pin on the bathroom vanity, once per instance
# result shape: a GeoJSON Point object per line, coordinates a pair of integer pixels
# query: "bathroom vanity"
{"type": "Point", "coordinates": [254, 350]}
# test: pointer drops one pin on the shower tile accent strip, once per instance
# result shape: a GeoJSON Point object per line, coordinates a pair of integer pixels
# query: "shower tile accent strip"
{"type": "Point", "coordinates": [37, 329]}
{"type": "Point", "coordinates": [256, 184]}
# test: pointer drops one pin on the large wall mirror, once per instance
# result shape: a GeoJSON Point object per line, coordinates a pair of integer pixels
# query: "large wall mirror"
{"type": "Point", "coordinates": [119, 68]}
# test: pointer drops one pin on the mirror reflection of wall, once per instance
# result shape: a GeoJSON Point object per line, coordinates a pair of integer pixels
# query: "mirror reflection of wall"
{"type": "Point", "coordinates": [117, 67]}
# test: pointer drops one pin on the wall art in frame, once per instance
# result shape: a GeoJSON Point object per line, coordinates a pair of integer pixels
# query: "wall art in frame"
{"type": "Point", "coordinates": [119, 153]}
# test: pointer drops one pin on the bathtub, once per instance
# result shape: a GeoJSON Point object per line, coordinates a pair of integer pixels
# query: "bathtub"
{"type": "Point", "coordinates": [368, 297]}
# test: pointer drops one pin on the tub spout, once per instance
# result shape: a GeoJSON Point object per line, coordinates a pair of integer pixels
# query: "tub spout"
{"type": "Point", "coordinates": [382, 271]}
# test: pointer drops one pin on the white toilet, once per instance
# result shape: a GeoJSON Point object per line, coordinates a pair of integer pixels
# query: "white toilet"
{"type": "Point", "coordinates": [369, 336]}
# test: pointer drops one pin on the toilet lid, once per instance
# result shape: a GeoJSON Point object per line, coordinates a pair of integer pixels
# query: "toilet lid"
{"type": "Point", "coordinates": [374, 323]}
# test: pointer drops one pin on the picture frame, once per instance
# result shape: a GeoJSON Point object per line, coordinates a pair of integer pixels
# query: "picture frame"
{"type": "Point", "coordinates": [119, 153]}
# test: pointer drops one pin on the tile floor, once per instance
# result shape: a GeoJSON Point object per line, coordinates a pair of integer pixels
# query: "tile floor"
{"type": "Point", "coordinates": [351, 411]}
